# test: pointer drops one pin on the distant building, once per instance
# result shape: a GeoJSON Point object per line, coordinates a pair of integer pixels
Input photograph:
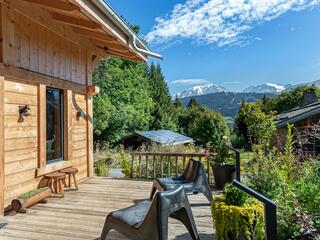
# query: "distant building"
{"type": "Point", "coordinates": [304, 118]}
{"type": "Point", "coordinates": [161, 137]}
{"type": "Point", "coordinates": [306, 114]}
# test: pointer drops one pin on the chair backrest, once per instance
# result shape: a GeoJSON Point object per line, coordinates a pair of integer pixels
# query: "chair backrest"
{"type": "Point", "coordinates": [163, 205]}
{"type": "Point", "coordinates": [191, 171]}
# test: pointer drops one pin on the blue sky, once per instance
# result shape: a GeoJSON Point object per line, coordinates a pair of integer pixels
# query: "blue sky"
{"type": "Point", "coordinates": [232, 43]}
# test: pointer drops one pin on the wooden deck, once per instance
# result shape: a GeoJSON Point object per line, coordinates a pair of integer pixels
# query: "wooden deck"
{"type": "Point", "coordinates": [81, 214]}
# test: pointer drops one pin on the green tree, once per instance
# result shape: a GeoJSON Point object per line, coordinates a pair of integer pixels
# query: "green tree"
{"type": "Point", "coordinates": [124, 104]}
{"type": "Point", "coordinates": [206, 127]}
{"type": "Point", "coordinates": [193, 103]}
{"type": "Point", "coordinates": [260, 126]}
{"type": "Point", "coordinates": [286, 100]}
{"type": "Point", "coordinates": [163, 112]}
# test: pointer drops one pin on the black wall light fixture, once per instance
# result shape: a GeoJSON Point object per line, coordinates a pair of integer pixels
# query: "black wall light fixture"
{"type": "Point", "coordinates": [24, 111]}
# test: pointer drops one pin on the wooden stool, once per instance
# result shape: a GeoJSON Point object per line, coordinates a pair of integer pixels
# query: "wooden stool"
{"type": "Point", "coordinates": [71, 172]}
{"type": "Point", "coordinates": [55, 182]}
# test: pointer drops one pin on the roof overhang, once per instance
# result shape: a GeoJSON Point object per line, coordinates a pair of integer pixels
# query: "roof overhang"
{"type": "Point", "coordinates": [113, 25]}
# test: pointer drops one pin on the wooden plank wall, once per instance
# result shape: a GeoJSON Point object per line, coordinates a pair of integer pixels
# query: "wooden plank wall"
{"type": "Point", "coordinates": [21, 156]}
{"type": "Point", "coordinates": [20, 137]}
{"type": "Point", "coordinates": [39, 49]}
{"type": "Point", "coordinates": [79, 134]}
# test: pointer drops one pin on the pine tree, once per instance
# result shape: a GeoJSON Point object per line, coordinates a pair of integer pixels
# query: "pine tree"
{"type": "Point", "coordinates": [193, 103]}
{"type": "Point", "coordinates": [163, 107]}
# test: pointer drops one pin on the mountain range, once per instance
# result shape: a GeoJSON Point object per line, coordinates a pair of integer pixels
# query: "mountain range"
{"type": "Point", "coordinates": [228, 103]}
{"type": "Point", "coordinates": [262, 88]}
{"type": "Point", "coordinates": [201, 90]}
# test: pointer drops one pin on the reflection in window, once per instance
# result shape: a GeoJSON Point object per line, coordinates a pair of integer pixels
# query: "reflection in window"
{"type": "Point", "coordinates": [54, 105]}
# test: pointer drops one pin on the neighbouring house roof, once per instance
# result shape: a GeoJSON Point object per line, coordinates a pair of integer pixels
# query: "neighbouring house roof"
{"type": "Point", "coordinates": [164, 137]}
{"type": "Point", "coordinates": [297, 114]}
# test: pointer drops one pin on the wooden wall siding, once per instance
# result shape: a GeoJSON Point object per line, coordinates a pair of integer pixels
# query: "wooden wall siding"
{"type": "Point", "coordinates": [21, 139]}
{"type": "Point", "coordinates": [40, 50]}
{"type": "Point", "coordinates": [79, 135]}
{"type": "Point", "coordinates": [21, 146]}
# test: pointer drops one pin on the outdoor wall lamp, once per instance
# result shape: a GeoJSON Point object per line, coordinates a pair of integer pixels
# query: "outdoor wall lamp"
{"type": "Point", "coordinates": [80, 114]}
{"type": "Point", "coordinates": [24, 111]}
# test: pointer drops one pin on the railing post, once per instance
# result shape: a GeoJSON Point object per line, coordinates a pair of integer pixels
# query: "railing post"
{"type": "Point", "coordinates": [270, 210]}
{"type": "Point", "coordinates": [146, 166]}
{"type": "Point", "coordinates": [154, 167]}
{"type": "Point", "coordinates": [132, 166]}
{"type": "Point", "coordinates": [237, 165]}
{"type": "Point", "coordinates": [161, 166]}
{"type": "Point", "coordinates": [176, 166]}
{"type": "Point", "coordinates": [169, 165]}
{"type": "Point", "coordinates": [139, 166]}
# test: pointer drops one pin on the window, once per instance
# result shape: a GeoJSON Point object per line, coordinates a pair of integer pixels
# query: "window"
{"type": "Point", "coordinates": [54, 111]}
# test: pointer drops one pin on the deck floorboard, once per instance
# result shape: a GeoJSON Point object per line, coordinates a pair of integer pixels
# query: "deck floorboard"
{"type": "Point", "coordinates": [81, 214]}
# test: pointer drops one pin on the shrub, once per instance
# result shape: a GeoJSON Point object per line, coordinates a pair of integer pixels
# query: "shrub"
{"type": "Point", "coordinates": [234, 196]}
{"type": "Point", "coordinates": [237, 220]}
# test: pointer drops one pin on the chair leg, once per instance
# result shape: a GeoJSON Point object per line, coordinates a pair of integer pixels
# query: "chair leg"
{"type": "Point", "coordinates": [208, 194]}
{"type": "Point", "coordinates": [75, 181]}
{"type": "Point", "coordinates": [106, 229]}
{"type": "Point", "coordinates": [185, 216]}
{"type": "Point", "coordinates": [153, 192]}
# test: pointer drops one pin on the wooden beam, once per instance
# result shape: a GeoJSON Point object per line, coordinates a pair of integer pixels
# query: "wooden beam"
{"type": "Point", "coordinates": [55, 5]}
{"type": "Point", "coordinates": [111, 46]}
{"type": "Point", "coordinates": [38, 78]}
{"type": "Point", "coordinates": [42, 127]}
{"type": "Point", "coordinates": [89, 119]}
{"type": "Point", "coordinates": [78, 22]}
{"type": "Point", "coordinates": [94, 35]}
{"type": "Point", "coordinates": [2, 190]}
{"type": "Point", "coordinates": [93, 90]}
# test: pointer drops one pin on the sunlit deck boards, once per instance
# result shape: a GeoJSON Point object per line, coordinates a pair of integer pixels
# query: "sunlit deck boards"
{"type": "Point", "coordinates": [81, 214]}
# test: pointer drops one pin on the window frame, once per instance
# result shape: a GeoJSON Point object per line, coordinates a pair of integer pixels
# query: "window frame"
{"type": "Point", "coordinates": [62, 119]}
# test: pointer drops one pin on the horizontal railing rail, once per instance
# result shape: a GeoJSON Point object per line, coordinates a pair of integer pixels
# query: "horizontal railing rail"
{"type": "Point", "coordinates": [166, 163]}
{"type": "Point", "coordinates": [150, 165]}
{"type": "Point", "coordinates": [270, 210]}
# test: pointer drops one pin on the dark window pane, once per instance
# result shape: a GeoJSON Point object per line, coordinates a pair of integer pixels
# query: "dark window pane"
{"type": "Point", "coordinates": [54, 124]}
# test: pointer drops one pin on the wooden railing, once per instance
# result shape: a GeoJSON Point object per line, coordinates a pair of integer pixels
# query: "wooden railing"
{"type": "Point", "coordinates": [162, 161]}
{"type": "Point", "coordinates": [150, 165]}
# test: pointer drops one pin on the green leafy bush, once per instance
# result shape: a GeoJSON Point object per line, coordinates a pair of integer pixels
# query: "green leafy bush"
{"type": "Point", "coordinates": [292, 183]}
{"type": "Point", "coordinates": [244, 221]}
{"type": "Point", "coordinates": [234, 196]}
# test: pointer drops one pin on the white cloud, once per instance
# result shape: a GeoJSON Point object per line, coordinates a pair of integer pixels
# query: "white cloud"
{"type": "Point", "coordinates": [258, 38]}
{"type": "Point", "coordinates": [220, 22]}
{"type": "Point", "coordinates": [292, 29]}
{"type": "Point", "coordinates": [190, 81]}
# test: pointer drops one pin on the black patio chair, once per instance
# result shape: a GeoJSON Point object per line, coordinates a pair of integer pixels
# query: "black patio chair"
{"type": "Point", "coordinates": [148, 220]}
{"type": "Point", "coordinates": [194, 180]}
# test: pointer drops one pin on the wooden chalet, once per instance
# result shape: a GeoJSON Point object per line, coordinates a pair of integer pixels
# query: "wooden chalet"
{"type": "Point", "coordinates": [48, 50]}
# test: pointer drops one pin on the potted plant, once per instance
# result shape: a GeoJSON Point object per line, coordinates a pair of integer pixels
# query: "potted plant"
{"type": "Point", "coordinates": [223, 166]}
{"type": "Point", "coordinates": [236, 216]}
{"type": "Point", "coordinates": [30, 198]}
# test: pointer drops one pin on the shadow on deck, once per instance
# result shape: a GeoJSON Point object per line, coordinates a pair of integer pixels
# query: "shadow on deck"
{"type": "Point", "coordinates": [81, 214]}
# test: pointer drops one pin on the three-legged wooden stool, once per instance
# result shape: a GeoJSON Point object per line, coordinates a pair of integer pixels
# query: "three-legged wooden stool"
{"type": "Point", "coordinates": [71, 172]}
{"type": "Point", "coordinates": [55, 182]}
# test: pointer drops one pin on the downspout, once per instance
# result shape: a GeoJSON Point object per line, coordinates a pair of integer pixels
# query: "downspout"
{"type": "Point", "coordinates": [140, 50]}
{"type": "Point", "coordinates": [106, 8]}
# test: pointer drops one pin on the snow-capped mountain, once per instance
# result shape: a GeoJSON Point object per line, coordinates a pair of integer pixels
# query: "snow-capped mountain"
{"type": "Point", "coordinates": [201, 90]}
{"type": "Point", "coordinates": [267, 88]}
